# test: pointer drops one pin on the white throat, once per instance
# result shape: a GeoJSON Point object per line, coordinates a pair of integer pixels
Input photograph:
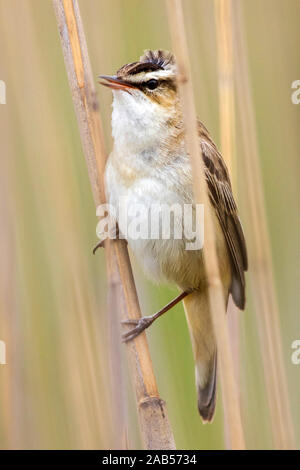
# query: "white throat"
{"type": "Point", "coordinates": [138, 123]}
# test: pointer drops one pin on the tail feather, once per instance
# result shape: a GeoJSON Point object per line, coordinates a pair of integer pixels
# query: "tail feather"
{"type": "Point", "coordinates": [196, 307]}
{"type": "Point", "coordinates": [207, 395]}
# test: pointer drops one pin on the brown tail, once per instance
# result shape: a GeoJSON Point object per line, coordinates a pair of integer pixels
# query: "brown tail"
{"type": "Point", "coordinates": [207, 395]}
{"type": "Point", "coordinates": [205, 353]}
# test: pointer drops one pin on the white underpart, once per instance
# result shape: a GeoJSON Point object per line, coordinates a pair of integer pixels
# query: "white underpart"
{"type": "Point", "coordinates": [138, 128]}
{"type": "Point", "coordinates": [138, 123]}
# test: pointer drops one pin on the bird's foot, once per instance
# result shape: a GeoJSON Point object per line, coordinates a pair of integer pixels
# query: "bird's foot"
{"type": "Point", "coordinates": [99, 245]}
{"type": "Point", "coordinates": [140, 325]}
{"type": "Point", "coordinates": [113, 235]}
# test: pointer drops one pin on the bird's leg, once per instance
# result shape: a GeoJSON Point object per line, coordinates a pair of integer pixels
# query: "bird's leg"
{"type": "Point", "coordinates": [142, 323]}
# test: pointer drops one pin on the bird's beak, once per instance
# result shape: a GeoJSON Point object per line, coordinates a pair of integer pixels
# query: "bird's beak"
{"type": "Point", "coordinates": [115, 83]}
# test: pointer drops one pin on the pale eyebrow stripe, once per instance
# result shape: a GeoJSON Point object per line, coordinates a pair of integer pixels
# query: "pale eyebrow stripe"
{"type": "Point", "coordinates": [157, 74]}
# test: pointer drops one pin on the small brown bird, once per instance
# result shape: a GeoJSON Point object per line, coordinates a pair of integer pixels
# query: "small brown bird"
{"type": "Point", "coordinates": [149, 165]}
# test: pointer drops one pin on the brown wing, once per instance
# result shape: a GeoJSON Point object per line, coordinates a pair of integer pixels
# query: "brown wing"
{"type": "Point", "coordinates": [220, 194]}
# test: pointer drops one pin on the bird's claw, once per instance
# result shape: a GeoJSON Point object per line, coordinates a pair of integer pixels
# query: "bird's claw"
{"type": "Point", "coordinates": [113, 235]}
{"type": "Point", "coordinates": [99, 245]}
{"type": "Point", "coordinates": [141, 325]}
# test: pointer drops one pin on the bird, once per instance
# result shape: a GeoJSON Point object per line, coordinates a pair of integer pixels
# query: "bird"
{"type": "Point", "coordinates": [149, 165]}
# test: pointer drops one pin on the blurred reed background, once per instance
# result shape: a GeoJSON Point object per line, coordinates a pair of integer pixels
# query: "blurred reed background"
{"type": "Point", "coordinates": [55, 388]}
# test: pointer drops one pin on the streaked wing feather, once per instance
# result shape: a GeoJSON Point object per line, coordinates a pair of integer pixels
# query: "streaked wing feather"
{"type": "Point", "coordinates": [221, 197]}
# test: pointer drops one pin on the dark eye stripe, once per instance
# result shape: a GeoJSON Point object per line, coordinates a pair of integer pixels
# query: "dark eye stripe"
{"type": "Point", "coordinates": [167, 82]}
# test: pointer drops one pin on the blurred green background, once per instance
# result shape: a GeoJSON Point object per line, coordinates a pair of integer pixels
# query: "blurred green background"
{"type": "Point", "coordinates": [55, 389]}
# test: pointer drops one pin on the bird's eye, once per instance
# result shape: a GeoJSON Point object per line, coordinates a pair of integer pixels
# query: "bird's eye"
{"type": "Point", "coordinates": [152, 84]}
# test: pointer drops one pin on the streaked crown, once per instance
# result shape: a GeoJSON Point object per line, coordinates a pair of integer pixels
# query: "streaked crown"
{"type": "Point", "coordinates": [150, 61]}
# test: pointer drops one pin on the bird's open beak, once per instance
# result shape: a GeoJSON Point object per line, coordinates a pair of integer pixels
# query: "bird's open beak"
{"type": "Point", "coordinates": [115, 83]}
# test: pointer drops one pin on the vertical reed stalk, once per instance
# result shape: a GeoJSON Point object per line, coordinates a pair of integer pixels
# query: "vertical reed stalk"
{"type": "Point", "coordinates": [261, 269]}
{"type": "Point", "coordinates": [154, 424]}
{"type": "Point", "coordinates": [8, 318]}
{"type": "Point", "coordinates": [223, 15]}
{"type": "Point", "coordinates": [223, 19]}
{"type": "Point", "coordinates": [115, 304]}
{"type": "Point", "coordinates": [216, 297]}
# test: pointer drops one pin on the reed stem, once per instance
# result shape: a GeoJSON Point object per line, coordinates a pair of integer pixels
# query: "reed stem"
{"type": "Point", "coordinates": [223, 20]}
